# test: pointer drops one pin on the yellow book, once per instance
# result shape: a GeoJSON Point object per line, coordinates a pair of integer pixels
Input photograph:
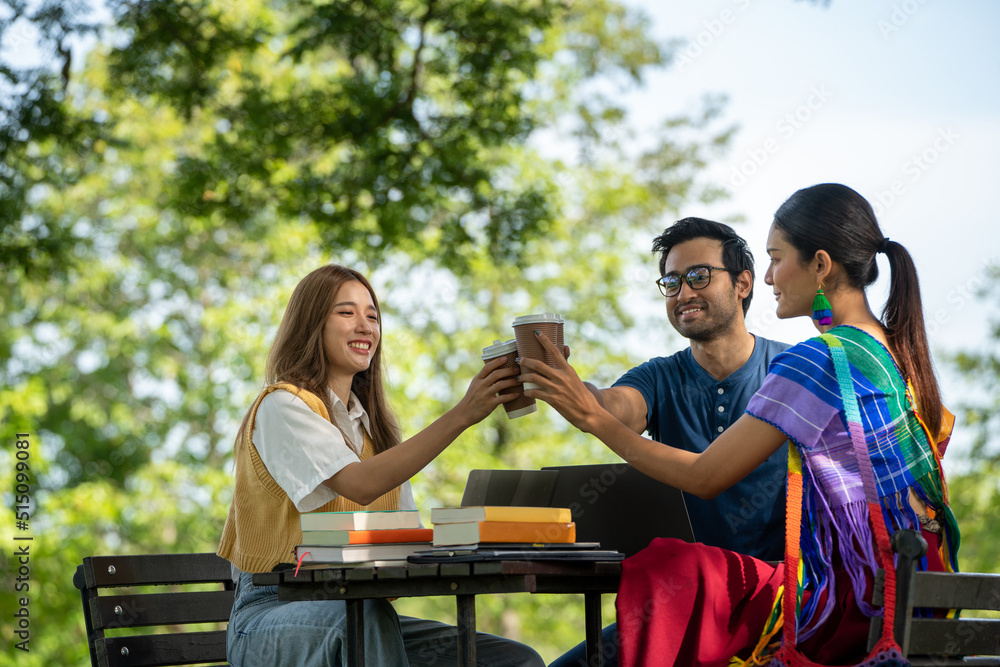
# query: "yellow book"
{"type": "Point", "coordinates": [500, 513]}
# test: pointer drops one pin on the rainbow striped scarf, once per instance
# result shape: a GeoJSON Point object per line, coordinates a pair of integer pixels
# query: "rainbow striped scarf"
{"type": "Point", "coordinates": [802, 398]}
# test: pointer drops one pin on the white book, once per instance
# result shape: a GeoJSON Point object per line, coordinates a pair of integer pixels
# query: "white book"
{"type": "Point", "coordinates": [355, 553]}
{"type": "Point", "coordinates": [359, 520]}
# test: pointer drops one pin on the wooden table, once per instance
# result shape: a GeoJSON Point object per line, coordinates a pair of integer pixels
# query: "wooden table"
{"type": "Point", "coordinates": [463, 580]}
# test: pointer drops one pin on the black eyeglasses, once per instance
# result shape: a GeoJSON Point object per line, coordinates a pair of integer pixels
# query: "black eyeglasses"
{"type": "Point", "coordinates": [698, 278]}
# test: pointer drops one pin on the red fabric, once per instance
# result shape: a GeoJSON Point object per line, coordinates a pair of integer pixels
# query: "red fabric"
{"type": "Point", "coordinates": [691, 604]}
{"type": "Point", "coordinates": [695, 605]}
{"type": "Point", "coordinates": [934, 562]}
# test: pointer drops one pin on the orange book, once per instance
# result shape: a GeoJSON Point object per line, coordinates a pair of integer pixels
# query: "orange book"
{"type": "Point", "coordinates": [525, 532]}
{"type": "Point", "coordinates": [385, 536]}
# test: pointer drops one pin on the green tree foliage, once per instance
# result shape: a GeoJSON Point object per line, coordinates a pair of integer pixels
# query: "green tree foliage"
{"type": "Point", "coordinates": [975, 493]}
{"type": "Point", "coordinates": [981, 368]}
{"type": "Point", "coordinates": [975, 498]}
{"type": "Point", "coordinates": [474, 159]}
{"type": "Point", "coordinates": [34, 115]}
{"type": "Point", "coordinates": [374, 120]}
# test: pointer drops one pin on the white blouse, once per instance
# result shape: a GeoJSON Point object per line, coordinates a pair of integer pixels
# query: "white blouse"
{"type": "Point", "coordinates": [301, 450]}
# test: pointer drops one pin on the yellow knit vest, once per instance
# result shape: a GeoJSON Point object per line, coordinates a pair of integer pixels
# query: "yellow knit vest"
{"type": "Point", "coordinates": [262, 528]}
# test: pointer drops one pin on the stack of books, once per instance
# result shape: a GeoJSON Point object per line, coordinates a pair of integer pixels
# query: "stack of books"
{"type": "Point", "coordinates": [508, 525]}
{"type": "Point", "coordinates": [361, 538]}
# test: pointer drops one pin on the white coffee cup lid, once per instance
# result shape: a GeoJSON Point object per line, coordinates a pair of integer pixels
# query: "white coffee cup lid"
{"type": "Point", "coordinates": [499, 348]}
{"type": "Point", "coordinates": [538, 318]}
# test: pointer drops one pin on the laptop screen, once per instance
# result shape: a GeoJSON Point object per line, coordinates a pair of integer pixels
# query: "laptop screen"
{"type": "Point", "coordinates": [510, 488]}
{"type": "Point", "coordinates": [620, 507]}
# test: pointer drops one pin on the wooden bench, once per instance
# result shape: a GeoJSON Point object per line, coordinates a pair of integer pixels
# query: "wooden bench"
{"type": "Point", "coordinates": [107, 607]}
{"type": "Point", "coordinates": [941, 642]}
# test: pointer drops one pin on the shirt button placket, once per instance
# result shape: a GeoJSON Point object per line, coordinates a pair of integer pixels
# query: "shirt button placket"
{"type": "Point", "coordinates": [721, 412]}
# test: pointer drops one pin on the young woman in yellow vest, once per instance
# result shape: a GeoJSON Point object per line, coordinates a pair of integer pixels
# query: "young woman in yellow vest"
{"type": "Point", "coordinates": [321, 437]}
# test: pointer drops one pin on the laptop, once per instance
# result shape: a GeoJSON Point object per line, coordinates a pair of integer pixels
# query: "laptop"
{"type": "Point", "coordinates": [510, 488]}
{"type": "Point", "coordinates": [611, 503]}
{"type": "Point", "coordinates": [620, 507]}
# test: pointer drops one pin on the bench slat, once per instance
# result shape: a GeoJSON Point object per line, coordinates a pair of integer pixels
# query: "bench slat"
{"type": "Point", "coordinates": [932, 636]}
{"type": "Point", "coordinates": [155, 569]}
{"type": "Point", "coordinates": [956, 590]}
{"type": "Point", "coordinates": [162, 611]}
{"type": "Point", "coordinates": [158, 650]}
{"type": "Point", "coordinates": [128, 611]}
{"type": "Point", "coordinates": [948, 661]}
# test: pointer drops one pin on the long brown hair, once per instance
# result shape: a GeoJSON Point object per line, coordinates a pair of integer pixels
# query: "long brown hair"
{"type": "Point", "coordinates": [837, 219]}
{"type": "Point", "coordinates": [297, 355]}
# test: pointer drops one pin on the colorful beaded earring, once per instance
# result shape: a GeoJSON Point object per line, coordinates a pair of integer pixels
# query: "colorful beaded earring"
{"type": "Point", "coordinates": [821, 308]}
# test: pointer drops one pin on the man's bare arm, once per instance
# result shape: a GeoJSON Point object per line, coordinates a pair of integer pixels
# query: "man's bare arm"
{"type": "Point", "coordinates": [625, 403]}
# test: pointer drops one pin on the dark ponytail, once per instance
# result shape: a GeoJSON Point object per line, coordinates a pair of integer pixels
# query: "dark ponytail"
{"type": "Point", "coordinates": [903, 316]}
{"type": "Point", "coordinates": [835, 218]}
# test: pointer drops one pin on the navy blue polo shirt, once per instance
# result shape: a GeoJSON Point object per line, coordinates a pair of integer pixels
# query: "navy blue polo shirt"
{"type": "Point", "coordinates": [688, 408]}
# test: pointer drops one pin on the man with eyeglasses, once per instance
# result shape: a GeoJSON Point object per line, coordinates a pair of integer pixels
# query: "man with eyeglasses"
{"type": "Point", "coordinates": [689, 397]}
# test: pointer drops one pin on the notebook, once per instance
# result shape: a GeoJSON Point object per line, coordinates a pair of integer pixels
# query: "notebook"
{"type": "Point", "coordinates": [611, 503]}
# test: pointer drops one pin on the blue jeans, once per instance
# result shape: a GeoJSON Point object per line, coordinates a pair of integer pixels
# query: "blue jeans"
{"type": "Point", "coordinates": [267, 633]}
{"type": "Point", "coordinates": [577, 656]}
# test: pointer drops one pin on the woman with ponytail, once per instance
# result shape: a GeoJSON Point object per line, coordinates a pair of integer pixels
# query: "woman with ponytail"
{"type": "Point", "coordinates": [321, 437]}
{"type": "Point", "coordinates": [861, 407]}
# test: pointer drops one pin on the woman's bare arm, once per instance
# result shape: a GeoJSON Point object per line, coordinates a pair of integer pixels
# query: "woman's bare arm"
{"type": "Point", "coordinates": [364, 481]}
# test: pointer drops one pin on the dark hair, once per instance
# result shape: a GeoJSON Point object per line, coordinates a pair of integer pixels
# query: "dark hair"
{"type": "Point", "coordinates": [835, 218]}
{"type": "Point", "coordinates": [736, 255]}
{"type": "Point", "coordinates": [297, 355]}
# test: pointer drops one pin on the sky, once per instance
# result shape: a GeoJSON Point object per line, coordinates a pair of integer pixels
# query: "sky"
{"type": "Point", "coordinates": [899, 100]}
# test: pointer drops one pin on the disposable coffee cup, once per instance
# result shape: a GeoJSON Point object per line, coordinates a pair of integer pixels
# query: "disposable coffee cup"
{"type": "Point", "coordinates": [522, 405]}
{"type": "Point", "coordinates": [528, 346]}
